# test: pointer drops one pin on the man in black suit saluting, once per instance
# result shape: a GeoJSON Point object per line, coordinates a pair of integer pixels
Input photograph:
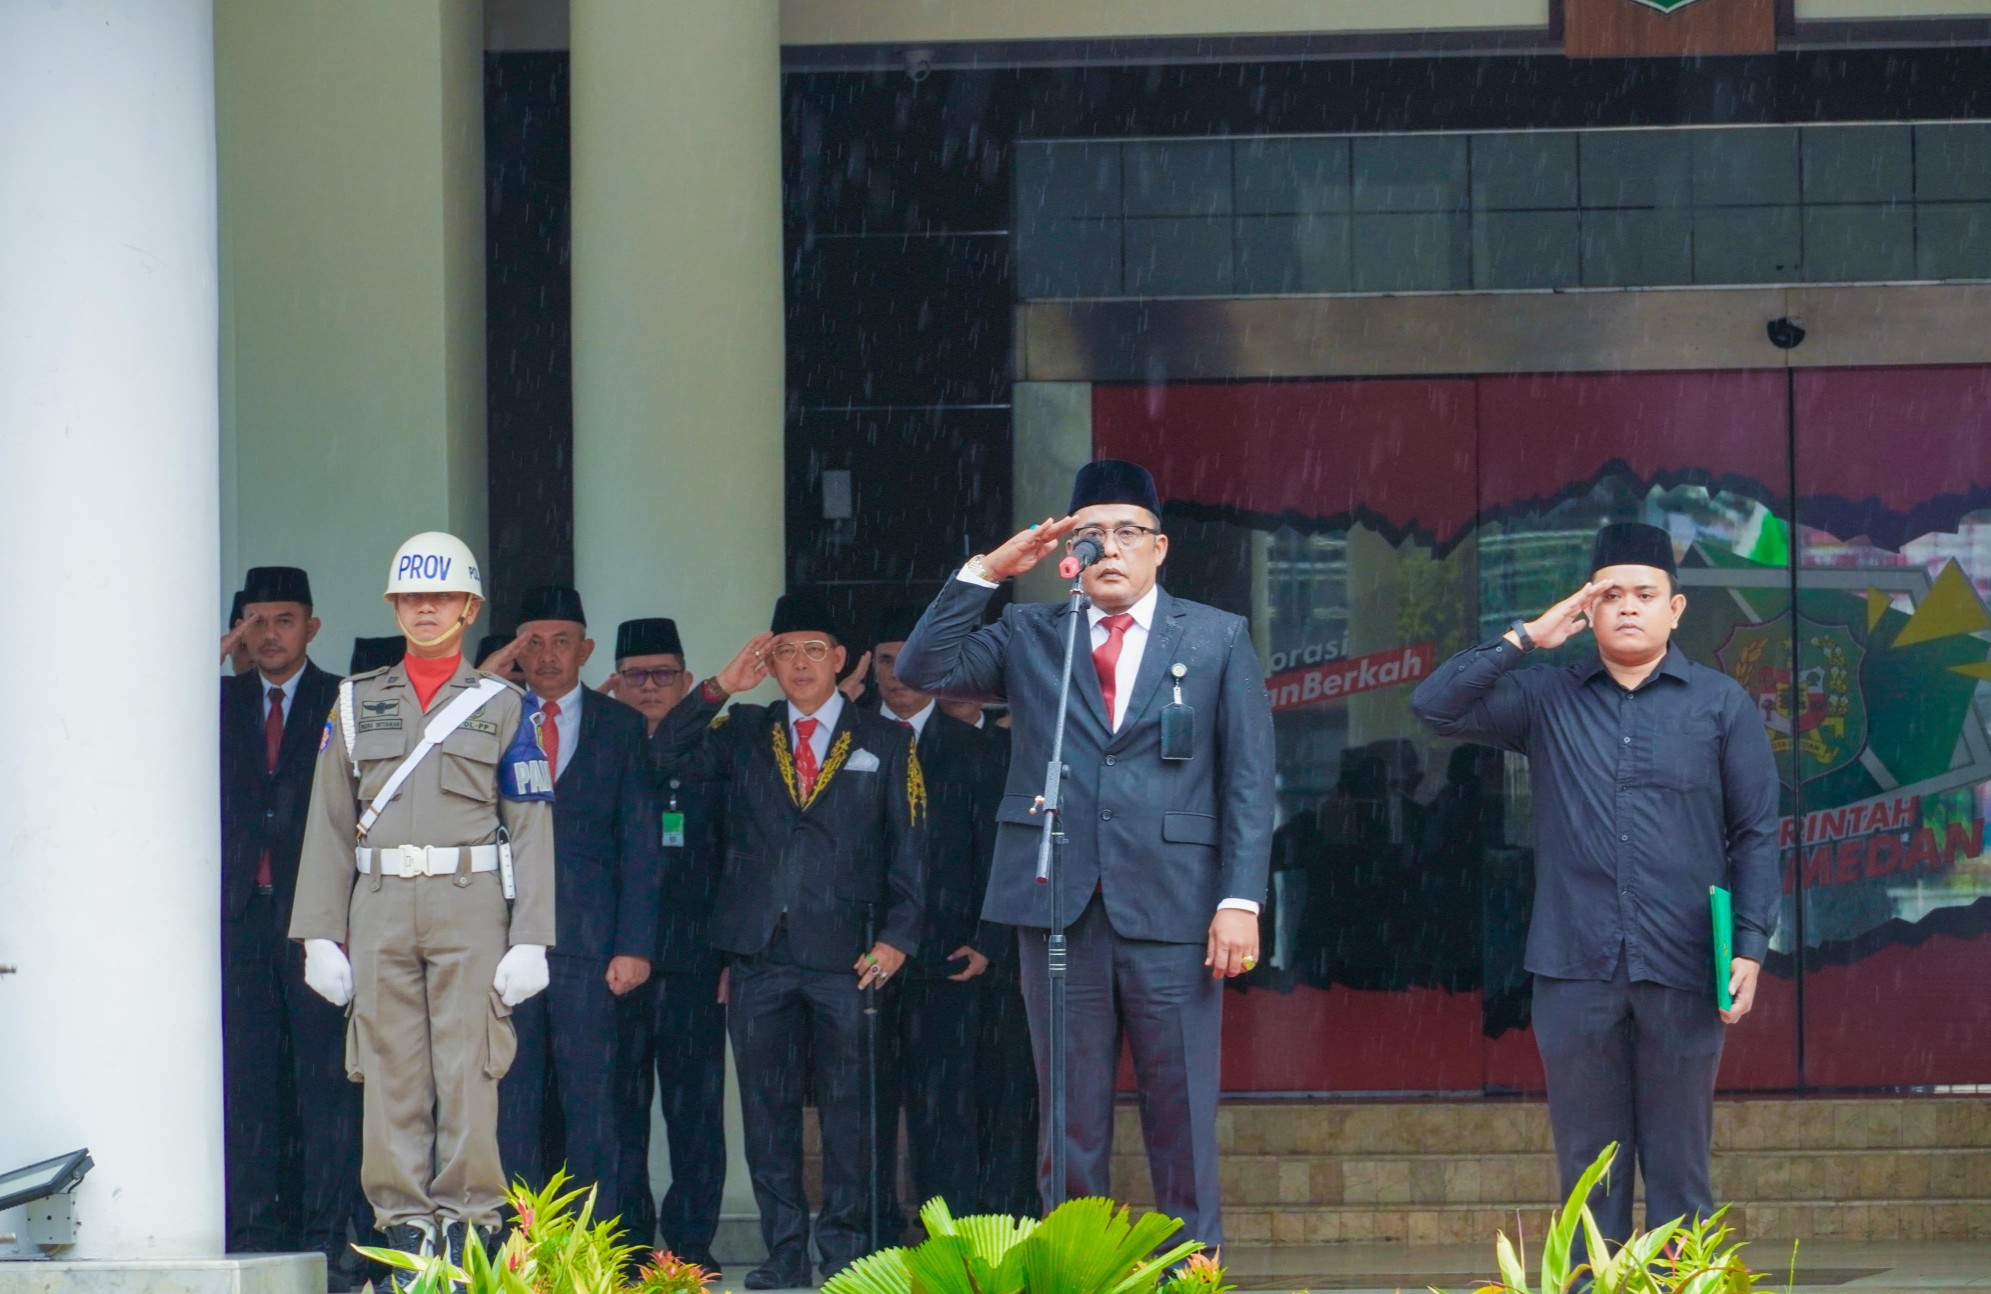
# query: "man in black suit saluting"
{"type": "Point", "coordinates": [819, 903]}
{"type": "Point", "coordinates": [1168, 842]}
{"type": "Point", "coordinates": [605, 901]}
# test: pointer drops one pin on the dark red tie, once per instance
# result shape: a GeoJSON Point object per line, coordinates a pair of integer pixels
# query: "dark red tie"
{"type": "Point", "coordinates": [805, 755]}
{"type": "Point", "coordinates": [1106, 657]}
{"type": "Point", "coordinates": [549, 737]}
{"type": "Point", "coordinates": [272, 746]}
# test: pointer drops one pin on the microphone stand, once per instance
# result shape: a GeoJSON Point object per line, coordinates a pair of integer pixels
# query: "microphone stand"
{"type": "Point", "coordinates": [1049, 849]}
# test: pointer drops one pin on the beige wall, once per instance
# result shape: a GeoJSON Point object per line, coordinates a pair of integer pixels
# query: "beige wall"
{"type": "Point", "coordinates": [352, 272]}
{"type": "Point", "coordinates": [1832, 10]}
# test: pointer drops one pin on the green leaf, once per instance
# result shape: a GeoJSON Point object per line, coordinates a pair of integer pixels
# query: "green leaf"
{"type": "Point", "coordinates": [1512, 1273]}
{"type": "Point", "coordinates": [1556, 1245]}
{"type": "Point", "coordinates": [881, 1273]}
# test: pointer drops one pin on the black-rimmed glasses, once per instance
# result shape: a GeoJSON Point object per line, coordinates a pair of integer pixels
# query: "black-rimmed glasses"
{"type": "Point", "coordinates": [1127, 535]}
{"type": "Point", "coordinates": [662, 676]}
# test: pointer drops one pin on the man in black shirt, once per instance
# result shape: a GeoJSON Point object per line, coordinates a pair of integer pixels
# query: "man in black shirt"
{"type": "Point", "coordinates": [1653, 780]}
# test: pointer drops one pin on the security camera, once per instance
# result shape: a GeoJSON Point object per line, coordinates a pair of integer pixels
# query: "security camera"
{"type": "Point", "coordinates": [919, 64]}
{"type": "Point", "coordinates": [1785, 333]}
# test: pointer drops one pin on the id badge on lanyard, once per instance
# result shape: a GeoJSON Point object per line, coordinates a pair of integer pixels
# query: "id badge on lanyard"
{"type": "Point", "coordinates": [673, 821]}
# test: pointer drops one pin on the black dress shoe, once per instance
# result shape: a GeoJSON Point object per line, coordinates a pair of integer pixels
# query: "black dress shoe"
{"type": "Point", "coordinates": [773, 1275]}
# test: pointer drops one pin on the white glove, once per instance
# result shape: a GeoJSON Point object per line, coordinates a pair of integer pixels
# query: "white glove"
{"type": "Point", "coordinates": [327, 971]}
{"type": "Point", "coordinates": [521, 973]}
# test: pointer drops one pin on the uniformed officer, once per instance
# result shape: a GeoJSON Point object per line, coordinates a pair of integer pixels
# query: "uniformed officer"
{"type": "Point", "coordinates": [421, 904]}
{"type": "Point", "coordinates": [818, 902]}
{"type": "Point", "coordinates": [673, 1029]}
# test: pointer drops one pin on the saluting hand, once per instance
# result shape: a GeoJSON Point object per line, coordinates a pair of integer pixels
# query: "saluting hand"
{"type": "Point", "coordinates": [1565, 619]}
{"type": "Point", "coordinates": [502, 661]}
{"type": "Point", "coordinates": [853, 687]}
{"type": "Point", "coordinates": [233, 638]}
{"type": "Point", "coordinates": [609, 684]}
{"type": "Point", "coordinates": [745, 671]}
{"type": "Point", "coordinates": [1026, 548]}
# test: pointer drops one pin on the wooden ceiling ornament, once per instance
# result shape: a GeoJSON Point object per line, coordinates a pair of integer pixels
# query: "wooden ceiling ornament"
{"type": "Point", "coordinates": [1668, 28]}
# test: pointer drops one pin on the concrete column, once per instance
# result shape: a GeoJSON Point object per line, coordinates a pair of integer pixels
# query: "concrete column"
{"type": "Point", "coordinates": [352, 273]}
{"type": "Point", "coordinates": [110, 1027]}
{"type": "Point", "coordinates": [678, 363]}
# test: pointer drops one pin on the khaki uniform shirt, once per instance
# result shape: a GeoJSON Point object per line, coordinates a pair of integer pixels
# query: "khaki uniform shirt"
{"type": "Point", "coordinates": [450, 799]}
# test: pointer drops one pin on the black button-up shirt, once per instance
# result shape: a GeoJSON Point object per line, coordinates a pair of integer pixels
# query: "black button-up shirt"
{"type": "Point", "coordinates": [1643, 800]}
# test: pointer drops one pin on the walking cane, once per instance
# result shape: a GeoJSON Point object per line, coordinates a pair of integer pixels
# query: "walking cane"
{"type": "Point", "coordinates": [871, 1076]}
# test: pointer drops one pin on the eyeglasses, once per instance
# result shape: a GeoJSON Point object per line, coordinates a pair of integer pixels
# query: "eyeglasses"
{"type": "Point", "coordinates": [662, 677]}
{"type": "Point", "coordinates": [1128, 535]}
{"type": "Point", "coordinates": [814, 649]}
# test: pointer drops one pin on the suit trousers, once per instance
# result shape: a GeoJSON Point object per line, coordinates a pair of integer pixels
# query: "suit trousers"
{"type": "Point", "coordinates": [1006, 1099]}
{"type": "Point", "coordinates": [1161, 996]}
{"type": "Point", "coordinates": [931, 1073]}
{"type": "Point", "coordinates": [292, 1130]}
{"type": "Point", "coordinates": [673, 1034]}
{"type": "Point", "coordinates": [784, 1018]}
{"type": "Point", "coordinates": [567, 1034]}
{"type": "Point", "coordinates": [1632, 1063]}
{"type": "Point", "coordinates": [430, 1040]}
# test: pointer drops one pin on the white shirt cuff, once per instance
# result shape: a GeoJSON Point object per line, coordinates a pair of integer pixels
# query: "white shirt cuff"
{"type": "Point", "coordinates": [963, 576]}
{"type": "Point", "coordinates": [1242, 905]}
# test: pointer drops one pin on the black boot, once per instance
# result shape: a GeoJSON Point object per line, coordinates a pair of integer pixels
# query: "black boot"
{"type": "Point", "coordinates": [416, 1236]}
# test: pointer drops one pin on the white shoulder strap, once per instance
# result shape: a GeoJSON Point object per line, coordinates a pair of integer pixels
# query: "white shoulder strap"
{"type": "Point", "coordinates": [346, 721]}
{"type": "Point", "coordinates": [448, 720]}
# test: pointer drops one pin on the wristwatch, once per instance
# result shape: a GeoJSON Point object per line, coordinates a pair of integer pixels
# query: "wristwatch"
{"type": "Point", "coordinates": [1520, 628]}
{"type": "Point", "coordinates": [975, 570]}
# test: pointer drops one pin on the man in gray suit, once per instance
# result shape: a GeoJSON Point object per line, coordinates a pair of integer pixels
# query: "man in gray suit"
{"type": "Point", "coordinates": [1167, 844]}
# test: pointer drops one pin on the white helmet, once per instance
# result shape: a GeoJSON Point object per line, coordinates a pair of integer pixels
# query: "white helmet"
{"type": "Point", "coordinates": [434, 562]}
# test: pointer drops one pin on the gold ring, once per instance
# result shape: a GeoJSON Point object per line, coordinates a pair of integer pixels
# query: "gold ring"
{"type": "Point", "coordinates": [1250, 962]}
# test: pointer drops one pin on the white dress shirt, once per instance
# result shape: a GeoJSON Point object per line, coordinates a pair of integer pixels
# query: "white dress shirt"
{"type": "Point", "coordinates": [819, 741]}
{"type": "Point", "coordinates": [918, 721]}
{"type": "Point", "coordinates": [288, 687]}
{"type": "Point", "coordinates": [568, 725]}
{"type": "Point", "coordinates": [1133, 645]}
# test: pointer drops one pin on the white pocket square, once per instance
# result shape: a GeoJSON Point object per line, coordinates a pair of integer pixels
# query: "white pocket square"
{"type": "Point", "coordinates": [863, 762]}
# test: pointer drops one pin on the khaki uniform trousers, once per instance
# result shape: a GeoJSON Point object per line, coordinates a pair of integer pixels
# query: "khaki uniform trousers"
{"type": "Point", "coordinates": [430, 1039]}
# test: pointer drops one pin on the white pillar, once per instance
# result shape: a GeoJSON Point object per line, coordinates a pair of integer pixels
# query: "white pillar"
{"type": "Point", "coordinates": [110, 1030]}
{"type": "Point", "coordinates": [678, 362]}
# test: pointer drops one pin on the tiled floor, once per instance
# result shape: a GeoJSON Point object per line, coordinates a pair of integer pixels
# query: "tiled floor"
{"type": "Point", "coordinates": [1822, 1265]}
{"type": "Point", "coordinates": [1825, 1266]}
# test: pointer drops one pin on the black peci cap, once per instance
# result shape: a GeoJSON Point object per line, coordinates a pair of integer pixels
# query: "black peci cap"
{"type": "Point", "coordinates": [551, 602]}
{"type": "Point", "coordinates": [655, 636]}
{"type": "Point", "coordinates": [804, 611]}
{"type": "Point", "coordinates": [1112, 480]}
{"type": "Point", "coordinates": [375, 653]}
{"type": "Point", "coordinates": [276, 584]}
{"type": "Point", "coordinates": [1633, 543]}
{"type": "Point", "coordinates": [896, 625]}
{"type": "Point", "coordinates": [235, 610]}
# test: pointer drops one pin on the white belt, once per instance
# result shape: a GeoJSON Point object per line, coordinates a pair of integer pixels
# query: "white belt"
{"type": "Point", "coordinates": [425, 860]}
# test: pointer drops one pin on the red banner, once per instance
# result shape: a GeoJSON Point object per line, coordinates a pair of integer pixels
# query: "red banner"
{"type": "Point", "coordinates": [1317, 684]}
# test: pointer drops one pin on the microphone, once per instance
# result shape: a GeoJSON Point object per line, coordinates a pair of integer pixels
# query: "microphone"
{"type": "Point", "coordinates": [1083, 554]}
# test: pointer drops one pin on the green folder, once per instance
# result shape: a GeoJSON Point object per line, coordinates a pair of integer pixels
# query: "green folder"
{"type": "Point", "coordinates": [1722, 910]}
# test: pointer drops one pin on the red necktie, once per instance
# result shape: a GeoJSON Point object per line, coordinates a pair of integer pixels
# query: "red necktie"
{"type": "Point", "coordinates": [272, 745]}
{"type": "Point", "coordinates": [549, 737]}
{"type": "Point", "coordinates": [1106, 658]}
{"type": "Point", "coordinates": [805, 755]}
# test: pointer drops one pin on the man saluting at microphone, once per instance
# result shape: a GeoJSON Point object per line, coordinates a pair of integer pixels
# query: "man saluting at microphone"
{"type": "Point", "coordinates": [1167, 813]}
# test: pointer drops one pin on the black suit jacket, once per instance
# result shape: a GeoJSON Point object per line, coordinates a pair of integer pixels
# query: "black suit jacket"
{"type": "Point", "coordinates": [690, 877]}
{"type": "Point", "coordinates": [854, 856]}
{"type": "Point", "coordinates": [1167, 839]}
{"type": "Point", "coordinates": [262, 810]}
{"type": "Point", "coordinates": [605, 829]}
{"type": "Point", "coordinates": [964, 775]}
